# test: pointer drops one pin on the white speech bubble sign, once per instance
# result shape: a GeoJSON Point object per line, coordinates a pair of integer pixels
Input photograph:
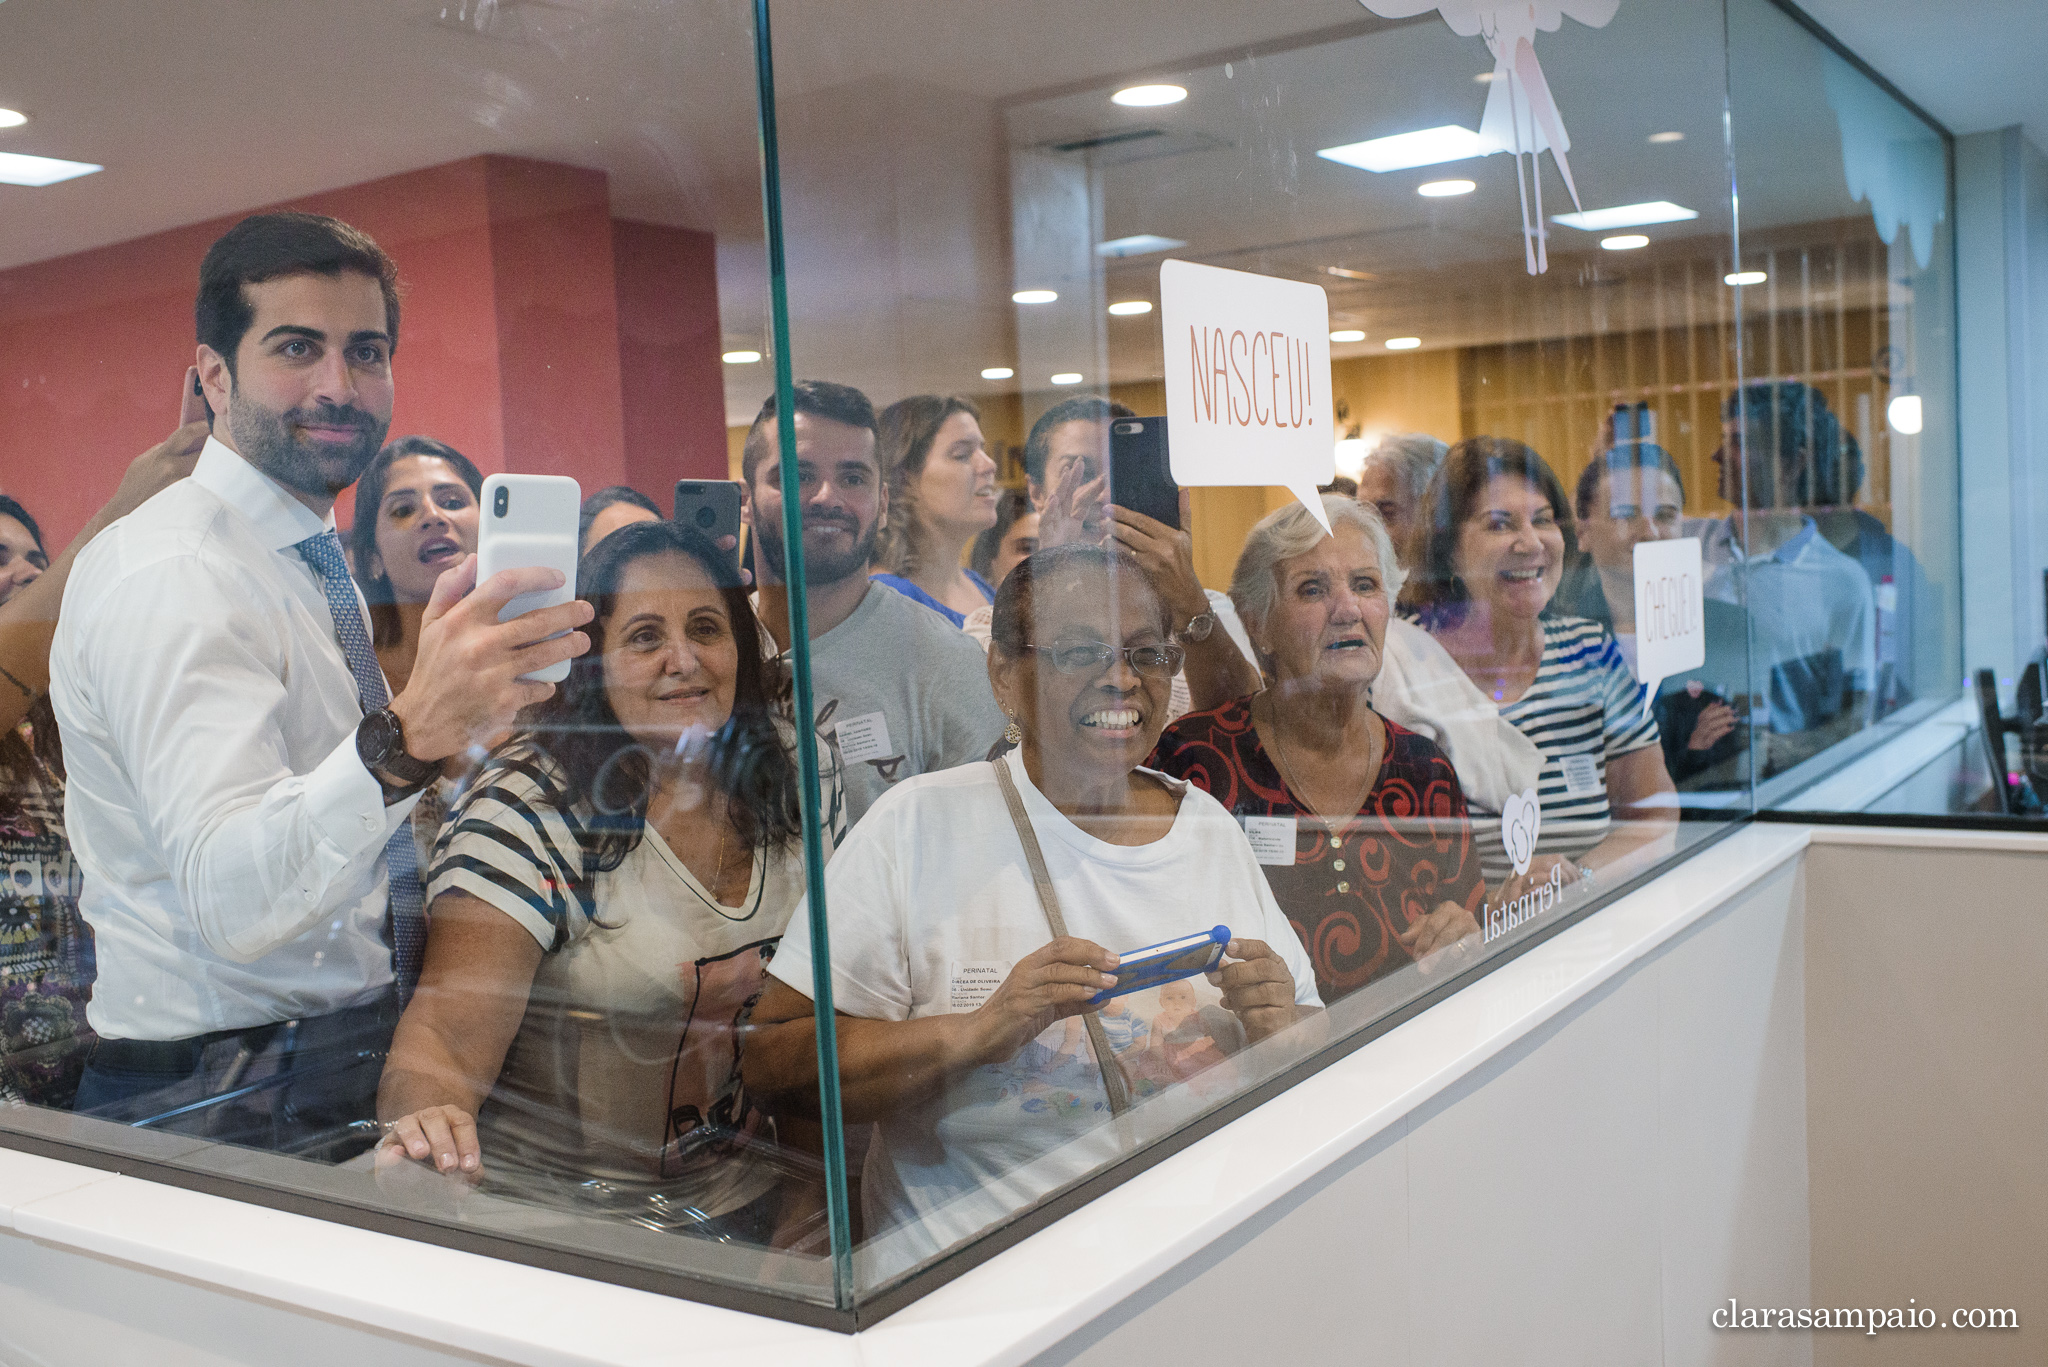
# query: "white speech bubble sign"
{"type": "Point", "coordinates": [1247, 381]}
{"type": "Point", "coordinates": [1521, 823]}
{"type": "Point", "coordinates": [1671, 613]}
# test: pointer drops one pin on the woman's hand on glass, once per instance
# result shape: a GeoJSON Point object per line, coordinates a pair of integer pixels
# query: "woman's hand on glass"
{"type": "Point", "coordinates": [1439, 930]}
{"type": "Point", "coordinates": [1047, 985]}
{"type": "Point", "coordinates": [444, 1136]}
{"type": "Point", "coordinates": [1076, 511]}
{"type": "Point", "coordinates": [1258, 988]}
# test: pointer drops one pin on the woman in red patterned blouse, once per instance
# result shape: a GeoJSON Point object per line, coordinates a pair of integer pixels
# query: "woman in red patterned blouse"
{"type": "Point", "coordinates": [1360, 824]}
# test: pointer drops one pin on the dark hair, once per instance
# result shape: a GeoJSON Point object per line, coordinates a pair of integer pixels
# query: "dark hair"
{"type": "Point", "coordinates": [1080, 408]}
{"type": "Point", "coordinates": [1434, 588]}
{"type": "Point", "coordinates": [271, 246]}
{"type": "Point", "coordinates": [609, 496]}
{"type": "Point", "coordinates": [41, 719]}
{"type": "Point", "coordinates": [1815, 460]}
{"type": "Point", "coordinates": [1014, 621]}
{"type": "Point", "coordinates": [840, 403]}
{"type": "Point", "coordinates": [904, 433]}
{"type": "Point", "coordinates": [12, 508]}
{"type": "Point", "coordinates": [1011, 504]}
{"type": "Point", "coordinates": [608, 772]}
{"type": "Point", "coordinates": [385, 629]}
{"type": "Point", "coordinates": [1629, 455]}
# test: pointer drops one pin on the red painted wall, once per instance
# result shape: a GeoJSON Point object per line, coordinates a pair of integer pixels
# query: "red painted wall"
{"type": "Point", "coordinates": [669, 345]}
{"type": "Point", "coordinates": [510, 344]}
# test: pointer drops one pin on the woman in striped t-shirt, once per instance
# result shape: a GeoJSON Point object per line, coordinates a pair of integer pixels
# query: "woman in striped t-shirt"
{"type": "Point", "coordinates": [1487, 554]}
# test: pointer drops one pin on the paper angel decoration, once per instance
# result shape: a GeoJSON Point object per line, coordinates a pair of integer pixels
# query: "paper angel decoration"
{"type": "Point", "coordinates": [1520, 115]}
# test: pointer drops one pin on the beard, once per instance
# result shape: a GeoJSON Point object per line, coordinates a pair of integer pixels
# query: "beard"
{"type": "Point", "coordinates": [323, 469]}
{"type": "Point", "coordinates": [820, 567]}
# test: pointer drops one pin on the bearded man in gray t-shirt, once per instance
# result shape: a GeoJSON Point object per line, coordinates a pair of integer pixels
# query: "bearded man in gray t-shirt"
{"type": "Point", "coordinates": [899, 690]}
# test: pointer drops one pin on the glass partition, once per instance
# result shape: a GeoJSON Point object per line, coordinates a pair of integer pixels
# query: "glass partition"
{"type": "Point", "coordinates": [1119, 554]}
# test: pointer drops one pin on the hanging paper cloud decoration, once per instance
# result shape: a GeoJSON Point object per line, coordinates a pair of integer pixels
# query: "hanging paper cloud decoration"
{"type": "Point", "coordinates": [1520, 115]}
{"type": "Point", "coordinates": [1889, 158]}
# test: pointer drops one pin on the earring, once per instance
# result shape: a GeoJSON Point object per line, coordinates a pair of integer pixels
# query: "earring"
{"type": "Point", "coordinates": [1013, 734]}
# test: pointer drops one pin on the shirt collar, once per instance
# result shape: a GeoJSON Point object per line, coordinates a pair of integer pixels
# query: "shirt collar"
{"type": "Point", "coordinates": [280, 520]}
{"type": "Point", "coordinates": [1785, 554]}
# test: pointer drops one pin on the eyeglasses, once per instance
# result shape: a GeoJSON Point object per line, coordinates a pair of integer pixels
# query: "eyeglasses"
{"type": "Point", "coordinates": [1161, 661]}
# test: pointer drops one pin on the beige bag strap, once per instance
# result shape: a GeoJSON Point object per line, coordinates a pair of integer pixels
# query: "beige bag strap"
{"type": "Point", "coordinates": [1112, 1074]}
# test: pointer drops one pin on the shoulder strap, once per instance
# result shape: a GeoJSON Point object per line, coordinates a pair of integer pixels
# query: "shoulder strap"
{"type": "Point", "coordinates": [1112, 1073]}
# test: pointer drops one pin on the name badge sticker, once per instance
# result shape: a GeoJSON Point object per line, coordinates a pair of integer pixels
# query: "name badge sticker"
{"type": "Point", "coordinates": [970, 984]}
{"type": "Point", "coordinates": [1272, 837]}
{"type": "Point", "coordinates": [1581, 775]}
{"type": "Point", "coordinates": [864, 738]}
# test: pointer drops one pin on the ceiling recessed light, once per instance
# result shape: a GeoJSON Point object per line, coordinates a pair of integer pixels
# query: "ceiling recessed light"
{"type": "Point", "coordinates": [12, 118]}
{"type": "Point", "coordinates": [1137, 244]}
{"type": "Point", "coordinates": [16, 169]}
{"type": "Point", "coordinates": [1348, 335]}
{"type": "Point", "coordinates": [1626, 216]}
{"type": "Point", "coordinates": [1484, 78]}
{"type": "Point", "coordinates": [1673, 136]}
{"type": "Point", "coordinates": [1148, 96]}
{"type": "Point", "coordinates": [1034, 296]}
{"type": "Point", "coordinates": [1346, 273]}
{"type": "Point", "coordinates": [1440, 189]}
{"type": "Point", "coordinates": [1424, 147]}
{"type": "Point", "coordinates": [1126, 308]}
{"type": "Point", "coordinates": [1067, 377]}
{"type": "Point", "coordinates": [1627, 242]}
{"type": "Point", "coordinates": [998, 372]}
{"type": "Point", "coordinates": [741, 357]}
{"type": "Point", "coordinates": [1745, 278]}
{"type": "Point", "coordinates": [1403, 343]}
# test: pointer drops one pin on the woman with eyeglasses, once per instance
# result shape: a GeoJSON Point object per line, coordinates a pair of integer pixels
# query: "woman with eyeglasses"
{"type": "Point", "coordinates": [1374, 861]}
{"type": "Point", "coordinates": [968, 1024]}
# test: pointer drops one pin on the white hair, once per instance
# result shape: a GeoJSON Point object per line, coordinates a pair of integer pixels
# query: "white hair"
{"type": "Point", "coordinates": [1413, 456]}
{"type": "Point", "coordinates": [1293, 531]}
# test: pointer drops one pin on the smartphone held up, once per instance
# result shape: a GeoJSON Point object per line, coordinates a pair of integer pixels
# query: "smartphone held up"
{"type": "Point", "coordinates": [529, 521]}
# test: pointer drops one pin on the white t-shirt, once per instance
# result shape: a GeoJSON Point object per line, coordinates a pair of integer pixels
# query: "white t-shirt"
{"type": "Point", "coordinates": [932, 903]}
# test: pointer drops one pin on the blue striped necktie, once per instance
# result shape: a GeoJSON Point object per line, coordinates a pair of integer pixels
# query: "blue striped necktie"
{"type": "Point", "coordinates": [408, 921]}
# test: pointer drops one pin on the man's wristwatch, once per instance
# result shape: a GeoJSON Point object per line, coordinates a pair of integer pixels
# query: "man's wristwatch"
{"type": "Point", "coordinates": [1198, 628]}
{"type": "Point", "coordinates": [380, 744]}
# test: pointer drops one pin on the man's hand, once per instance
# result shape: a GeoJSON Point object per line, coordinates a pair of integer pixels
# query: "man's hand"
{"type": "Point", "coordinates": [1715, 721]}
{"type": "Point", "coordinates": [1167, 556]}
{"type": "Point", "coordinates": [1077, 511]}
{"type": "Point", "coordinates": [465, 688]}
{"type": "Point", "coordinates": [442, 1135]}
{"type": "Point", "coordinates": [1048, 984]}
{"type": "Point", "coordinates": [1444, 928]}
{"type": "Point", "coordinates": [1258, 989]}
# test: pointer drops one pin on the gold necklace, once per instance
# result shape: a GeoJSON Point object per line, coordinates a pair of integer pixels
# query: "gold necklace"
{"type": "Point", "coordinates": [1372, 774]}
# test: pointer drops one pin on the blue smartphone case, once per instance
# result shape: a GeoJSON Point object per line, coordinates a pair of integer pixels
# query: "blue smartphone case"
{"type": "Point", "coordinates": [1166, 962]}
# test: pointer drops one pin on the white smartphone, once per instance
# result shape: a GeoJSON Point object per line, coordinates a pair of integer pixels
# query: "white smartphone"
{"type": "Point", "coordinates": [530, 521]}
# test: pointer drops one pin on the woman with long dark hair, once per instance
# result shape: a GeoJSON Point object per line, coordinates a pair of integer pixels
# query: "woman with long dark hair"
{"type": "Point", "coordinates": [416, 515]}
{"type": "Point", "coordinates": [605, 901]}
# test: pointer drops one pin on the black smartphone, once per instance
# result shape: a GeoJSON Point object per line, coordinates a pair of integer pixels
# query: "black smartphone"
{"type": "Point", "coordinates": [711, 506]}
{"type": "Point", "coordinates": [1139, 476]}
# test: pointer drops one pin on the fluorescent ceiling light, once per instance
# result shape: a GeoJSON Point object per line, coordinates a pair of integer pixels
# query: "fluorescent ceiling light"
{"type": "Point", "coordinates": [16, 169]}
{"type": "Point", "coordinates": [1348, 335]}
{"type": "Point", "coordinates": [1903, 413]}
{"type": "Point", "coordinates": [1137, 244]}
{"type": "Point", "coordinates": [1127, 308]}
{"type": "Point", "coordinates": [1067, 377]}
{"type": "Point", "coordinates": [1744, 278]}
{"type": "Point", "coordinates": [741, 357]}
{"type": "Point", "coordinates": [1627, 242]}
{"type": "Point", "coordinates": [12, 118]}
{"type": "Point", "coordinates": [1403, 343]}
{"type": "Point", "coordinates": [1626, 216]}
{"type": "Point", "coordinates": [1673, 136]}
{"type": "Point", "coordinates": [1438, 189]}
{"type": "Point", "coordinates": [1424, 147]}
{"type": "Point", "coordinates": [1034, 296]}
{"type": "Point", "coordinates": [997, 372]}
{"type": "Point", "coordinates": [1148, 96]}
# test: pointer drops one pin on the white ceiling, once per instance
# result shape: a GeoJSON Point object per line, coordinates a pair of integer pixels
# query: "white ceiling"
{"type": "Point", "coordinates": [1972, 64]}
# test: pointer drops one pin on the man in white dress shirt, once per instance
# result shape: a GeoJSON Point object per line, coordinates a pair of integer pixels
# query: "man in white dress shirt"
{"type": "Point", "coordinates": [240, 778]}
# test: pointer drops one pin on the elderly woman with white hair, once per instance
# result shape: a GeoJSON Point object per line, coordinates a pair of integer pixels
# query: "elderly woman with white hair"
{"type": "Point", "coordinates": [1360, 823]}
{"type": "Point", "coordinates": [1394, 477]}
